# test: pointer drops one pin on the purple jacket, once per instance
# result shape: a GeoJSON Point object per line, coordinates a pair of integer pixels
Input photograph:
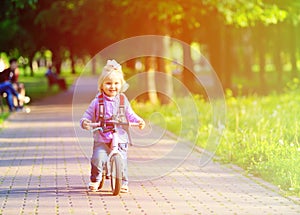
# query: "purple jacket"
{"type": "Point", "coordinates": [111, 106]}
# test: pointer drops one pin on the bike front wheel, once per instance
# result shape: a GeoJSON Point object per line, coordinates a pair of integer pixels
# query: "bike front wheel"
{"type": "Point", "coordinates": [116, 174]}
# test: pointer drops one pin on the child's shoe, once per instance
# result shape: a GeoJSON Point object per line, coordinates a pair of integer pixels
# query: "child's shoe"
{"type": "Point", "coordinates": [94, 186]}
{"type": "Point", "coordinates": [124, 188]}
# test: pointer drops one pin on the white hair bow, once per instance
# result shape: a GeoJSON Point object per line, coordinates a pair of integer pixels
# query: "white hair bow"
{"type": "Point", "coordinates": [114, 64]}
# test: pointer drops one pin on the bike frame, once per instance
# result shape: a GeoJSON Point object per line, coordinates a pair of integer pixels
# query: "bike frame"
{"type": "Point", "coordinates": [117, 179]}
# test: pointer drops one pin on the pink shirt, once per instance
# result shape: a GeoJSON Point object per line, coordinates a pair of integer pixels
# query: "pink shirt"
{"type": "Point", "coordinates": [111, 106]}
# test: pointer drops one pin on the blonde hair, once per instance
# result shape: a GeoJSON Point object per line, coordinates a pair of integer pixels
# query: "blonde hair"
{"type": "Point", "coordinates": [111, 67]}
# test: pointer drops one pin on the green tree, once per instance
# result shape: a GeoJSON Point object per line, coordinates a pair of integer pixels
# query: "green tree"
{"type": "Point", "coordinates": [85, 27]}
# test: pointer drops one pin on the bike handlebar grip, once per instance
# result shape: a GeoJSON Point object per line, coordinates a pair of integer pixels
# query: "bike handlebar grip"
{"type": "Point", "coordinates": [94, 124]}
{"type": "Point", "coordinates": [135, 124]}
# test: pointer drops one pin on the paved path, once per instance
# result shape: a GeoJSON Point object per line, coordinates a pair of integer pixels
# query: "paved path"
{"type": "Point", "coordinates": [45, 169]}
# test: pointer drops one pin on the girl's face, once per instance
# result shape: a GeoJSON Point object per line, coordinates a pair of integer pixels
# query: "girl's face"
{"type": "Point", "coordinates": [112, 85]}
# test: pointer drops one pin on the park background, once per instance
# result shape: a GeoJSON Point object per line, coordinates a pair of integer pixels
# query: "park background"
{"type": "Point", "coordinates": [253, 46]}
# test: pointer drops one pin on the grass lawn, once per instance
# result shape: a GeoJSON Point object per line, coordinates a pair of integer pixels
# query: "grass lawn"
{"type": "Point", "coordinates": [37, 85]}
{"type": "Point", "coordinates": [261, 135]}
{"type": "Point", "coordinates": [3, 116]}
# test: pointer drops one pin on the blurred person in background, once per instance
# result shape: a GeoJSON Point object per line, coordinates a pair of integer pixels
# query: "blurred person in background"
{"type": "Point", "coordinates": [9, 84]}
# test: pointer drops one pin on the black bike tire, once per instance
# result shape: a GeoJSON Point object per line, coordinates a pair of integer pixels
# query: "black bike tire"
{"type": "Point", "coordinates": [116, 174]}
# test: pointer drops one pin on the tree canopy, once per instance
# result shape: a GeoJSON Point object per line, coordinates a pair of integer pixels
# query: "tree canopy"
{"type": "Point", "coordinates": [93, 24]}
{"type": "Point", "coordinates": [84, 27]}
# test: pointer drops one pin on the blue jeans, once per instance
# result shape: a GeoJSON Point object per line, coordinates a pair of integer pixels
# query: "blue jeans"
{"type": "Point", "coordinates": [8, 88]}
{"type": "Point", "coordinates": [99, 159]}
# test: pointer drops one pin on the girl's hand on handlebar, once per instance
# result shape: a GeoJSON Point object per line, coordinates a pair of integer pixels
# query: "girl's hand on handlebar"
{"type": "Point", "coordinates": [142, 124]}
{"type": "Point", "coordinates": [85, 124]}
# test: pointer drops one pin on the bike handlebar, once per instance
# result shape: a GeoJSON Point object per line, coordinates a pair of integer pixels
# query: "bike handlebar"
{"type": "Point", "coordinates": [94, 126]}
{"type": "Point", "coordinates": [98, 124]}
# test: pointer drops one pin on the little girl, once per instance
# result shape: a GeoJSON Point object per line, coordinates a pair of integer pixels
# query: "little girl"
{"type": "Point", "coordinates": [110, 84]}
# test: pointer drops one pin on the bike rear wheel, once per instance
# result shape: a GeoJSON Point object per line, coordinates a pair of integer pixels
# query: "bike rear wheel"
{"type": "Point", "coordinates": [116, 174]}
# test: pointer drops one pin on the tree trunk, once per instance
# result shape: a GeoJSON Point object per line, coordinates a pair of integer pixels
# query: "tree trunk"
{"type": "Point", "coordinates": [187, 76]}
{"type": "Point", "coordinates": [30, 66]}
{"type": "Point", "coordinates": [57, 61]}
{"type": "Point", "coordinates": [150, 69]}
{"type": "Point", "coordinates": [293, 51]}
{"type": "Point", "coordinates": [72, 58]}
{"type": "Point", "coordinates": [94, 66]}
{"type": "Point", "coordinates": [261, 54]}
{"type": "Point", "coordinates": [215, 51]}
{"type": "Point", "coordinates": [58, 66]}
{"type": "Point", "coordinates": [262, 62]}
{"type": "Point", "coordinates": [248, 54]}
{"type": "Point", "coordinates": [277, 51]}
{"type": "Point", "coordinates": [227, 61]}
{"type": "Point", "coordinates": [164, 83]}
